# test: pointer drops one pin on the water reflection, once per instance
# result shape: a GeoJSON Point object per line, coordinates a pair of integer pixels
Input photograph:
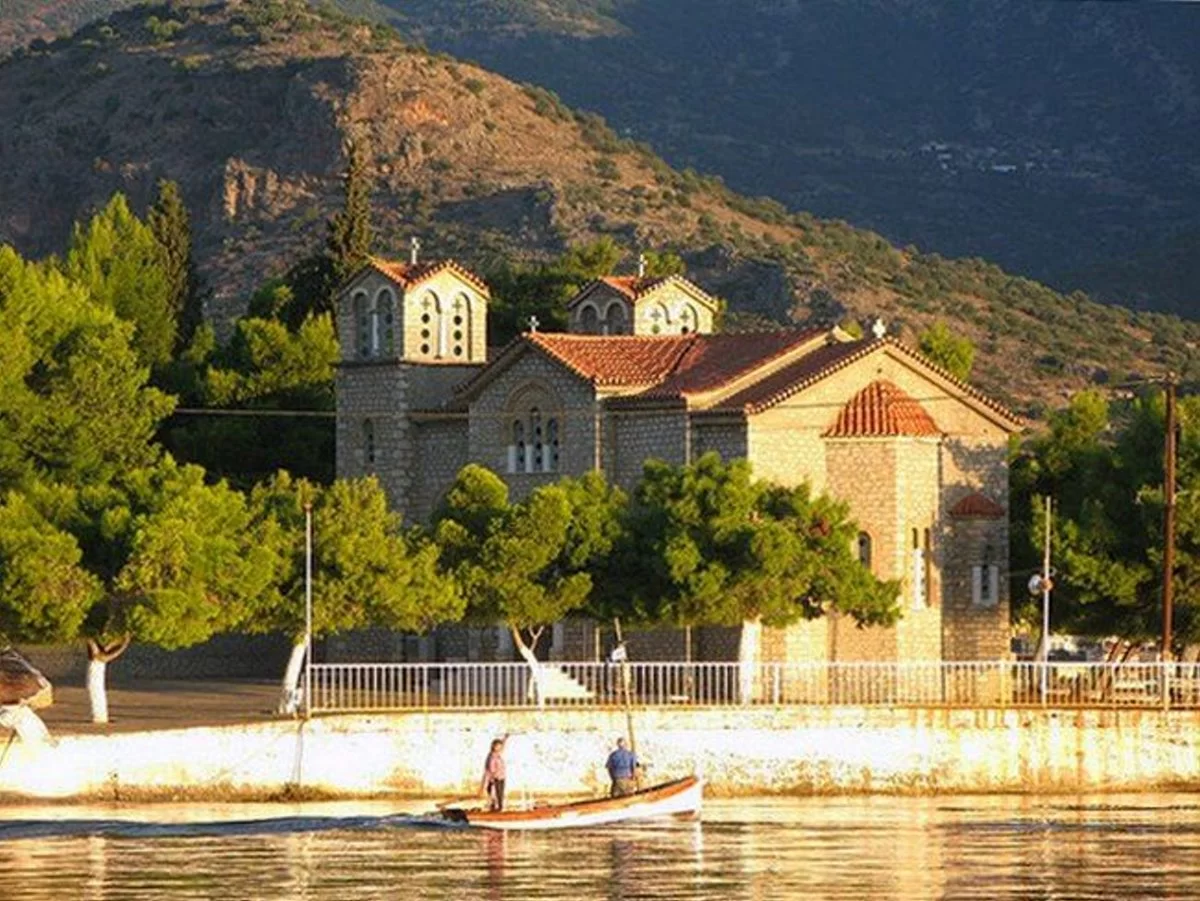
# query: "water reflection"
{"type": "Point", "coordinates": [890, 849]}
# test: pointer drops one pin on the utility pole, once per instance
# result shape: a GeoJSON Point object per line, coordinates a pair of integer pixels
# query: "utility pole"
{"type": "Point", "coordinates": [1046, 586]}
{"type": "Point", "coordinates": [1169, 455]}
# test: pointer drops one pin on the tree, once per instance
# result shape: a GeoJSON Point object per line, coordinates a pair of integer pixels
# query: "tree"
{"type": "Point", "coordinates": [530, 564]}
{"type": "Point", "coordinates": [350, 235]}
{"type": "Point", "coordinates": [520, 291]}
{"type": "Point", "coordinates": [706, 544]}
{"type": "Point", "coordinates": [367, 570]}
{"type": "Point", "coordinates": [1102, 468]}
{"type": "Point", "coordinates": [156, 555]}
{"type": "Point", "coordinates": [169, 221]}
{"type": "Point", "coordinates": [314, 279]}
{"type": "Point", "coordinates": [118, 260]}
{"type": "Point", "coordinates": [264, 368]}
{"type": "Point", "coordinates": [954, 353]}
{"type": "Point", "coordinates": [75, 405]}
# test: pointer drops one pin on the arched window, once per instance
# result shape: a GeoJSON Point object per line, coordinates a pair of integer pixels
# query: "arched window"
{"type": "Point", "coordinates": [551, 445]}
{"type": "Point", "coordinates": [863, 549]}
{"type": "Point", "coordinates": [433, 326]}
{"type": "Point", "coordinates": [536, 441]}
{"type": "Point", "coordinates": [369, 443]}
{"type": "Point", "coordinates": [362, 324]}
{"type": "Point", "coordinates": [660, 320]}
{"type": "Point", "coordinates": [919, 570]}
{"type": "Point", "coordinates": [533, 431]}
{"type": "Point", "coordinates": [985, 581]}
{"type": "Point", "coordinates": [688, 320]}
{"type": "Point", "coordinates": [517, 450]}
{"type": "Point", "coordinates": [614, 319]}
{"type": "Point", "coordinates": [383, 325]}
{"type": "Point", "coordinates": [589, 320]}
{"type": "Point", "coordinates": [460, 328]}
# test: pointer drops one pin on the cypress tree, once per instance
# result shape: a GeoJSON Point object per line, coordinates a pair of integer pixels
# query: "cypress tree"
{"type": "Point", "coordinates": [349, 240]}
{"type": "Point", "coordinates": [168, 219]}
{"type": "Point", "coordinates": [347, 246]}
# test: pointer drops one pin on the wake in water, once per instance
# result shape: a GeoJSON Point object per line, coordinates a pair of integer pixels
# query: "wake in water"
{"type": "Point", "coordinates": [11, 830]}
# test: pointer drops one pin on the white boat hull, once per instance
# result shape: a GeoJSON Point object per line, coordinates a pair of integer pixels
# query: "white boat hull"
{"type": "Point", "coordinates": [682, 798]}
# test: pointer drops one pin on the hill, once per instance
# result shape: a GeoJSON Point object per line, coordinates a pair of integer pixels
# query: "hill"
{"type": "Point", "coordinates": [1053, 138]}
{"type": "Point", "coordinates": [249, 106]}
{"type": "Point", "coordinates": [1049, 137]}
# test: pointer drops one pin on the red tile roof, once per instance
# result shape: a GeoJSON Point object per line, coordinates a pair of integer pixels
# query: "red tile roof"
{"type": "Point", "coordinates": [882, 409]}
{"type": "Point", "coordinates": [793, 378]}
{"type": "Point", "coordinates": [635, 286]}
{"type": "Point", "coordinates": [617, 360]}
{"type": "Point", "coordinates": [409, 274]}
{"type": "Point", "coordinates": [716, 360]}
{"type": "Point", "coordinates": [632, 286]}
{"type": "Point", "coordinates": [977, 506]}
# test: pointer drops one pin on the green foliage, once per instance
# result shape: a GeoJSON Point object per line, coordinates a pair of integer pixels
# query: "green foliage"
{"type": "Point", "coordinates": [264, 367]}
{"type": "Point", "coordinates": [708, 544]}
{"type": "Point", "coordinates": [527, 564]}
{"type": "Point", "coordinates": [117, 259]}
{"type": "Point", "coordinates": [169, 221]}
{"type": "Point", "coordinates": [1102, 468]}
{"type": "Point", "coordinates": [314, 279]}
{"type": "Point", "coordinates": [367, 570]}
{"type": "Point", "coordinates": [44, 593]}
{"type": "Point", "coordinates": [543, 289]}
{"type": "Point", "coordinates": [659, 265]}
{"type": "Point", "coordinates": [74, 400]}
{"type": "Point", "coordinates": [954, 353]}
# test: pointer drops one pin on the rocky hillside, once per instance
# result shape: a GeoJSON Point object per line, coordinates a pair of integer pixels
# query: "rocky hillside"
{"type": "Point", "coordinates": [249, 105]}
{"type": "Point", "coordinates": [1050, 137]}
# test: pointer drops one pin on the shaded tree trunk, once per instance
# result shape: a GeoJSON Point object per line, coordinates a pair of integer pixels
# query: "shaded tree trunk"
{"type": "Point", "coordinates": [528, 654]}
{"type": "Point", "coordinates": [99, 657]}
{"type": "Point", "coordinates": [749, 658]}
{"type": "Point", "coordinates": [289, 695]}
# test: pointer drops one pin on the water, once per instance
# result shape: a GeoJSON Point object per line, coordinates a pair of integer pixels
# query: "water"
{"type": "Point", "coordinates": [1127, 847]}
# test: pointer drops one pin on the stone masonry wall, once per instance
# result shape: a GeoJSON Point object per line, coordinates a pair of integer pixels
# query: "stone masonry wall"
{"type": "Point", "coordinates": [640, 435]}
{"type": "Point", "coordinates": [558, 393]}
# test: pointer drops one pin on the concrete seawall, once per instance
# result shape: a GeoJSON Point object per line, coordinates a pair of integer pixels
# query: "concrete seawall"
{"type": "Point", "coordinates": [752, 751]}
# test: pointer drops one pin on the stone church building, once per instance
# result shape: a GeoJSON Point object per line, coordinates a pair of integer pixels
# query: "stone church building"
{"type": "Point", "coordinates": [919, 456]}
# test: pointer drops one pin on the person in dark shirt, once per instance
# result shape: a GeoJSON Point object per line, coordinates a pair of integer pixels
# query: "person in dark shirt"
{"type": "Point", "coordinates": [494, 774]}
{"type": "Point", "coordinates": [622, 766]}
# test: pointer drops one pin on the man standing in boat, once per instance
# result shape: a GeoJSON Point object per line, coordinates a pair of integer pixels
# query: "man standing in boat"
{"type": "Point", "coordinates": [622, 766]}
{"type": "Point", "coordinates": [494, 774]}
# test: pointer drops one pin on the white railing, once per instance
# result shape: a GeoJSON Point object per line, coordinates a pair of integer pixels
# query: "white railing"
{"type": "Point", "coordinates": [351, 687]}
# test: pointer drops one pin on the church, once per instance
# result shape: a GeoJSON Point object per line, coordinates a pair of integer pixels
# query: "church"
{"type": "Point", "coordinates": [918, 455]}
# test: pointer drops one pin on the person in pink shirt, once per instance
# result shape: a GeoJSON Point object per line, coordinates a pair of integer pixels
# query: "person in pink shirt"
{"type": "Point", "coordinates": [493, 775]}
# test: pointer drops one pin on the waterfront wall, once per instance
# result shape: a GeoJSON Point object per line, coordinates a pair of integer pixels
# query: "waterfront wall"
{"type": "Point", "coordinates": [754, 751]}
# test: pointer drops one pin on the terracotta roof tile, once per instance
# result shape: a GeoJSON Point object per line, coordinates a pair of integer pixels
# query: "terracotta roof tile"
{"type": "Point", "coordinates": [409, 274]}
{"type": "Point", "coordinates": [882, 409]}
{"type": "Point", "coordinates": [715, 360]}
{"type": "Point", "coordinates": [791, 379]}
{"type": "Point", "coordinates": [977, 506]}
{"type": "Point", "coordinates": [616, 360]}
{"type": "Point", "coordinates": [633, 287]}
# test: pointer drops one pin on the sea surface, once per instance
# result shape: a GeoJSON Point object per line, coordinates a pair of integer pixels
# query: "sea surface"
{"type": "Point", "coordinates": [1123, 847]}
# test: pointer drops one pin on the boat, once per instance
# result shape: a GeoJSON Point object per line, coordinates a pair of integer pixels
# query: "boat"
{"type": "Point", "coordinates": [680, 798]}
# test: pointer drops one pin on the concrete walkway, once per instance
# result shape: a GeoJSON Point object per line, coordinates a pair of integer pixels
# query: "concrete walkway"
{"type": "Point", "coordinates": [163, 704]}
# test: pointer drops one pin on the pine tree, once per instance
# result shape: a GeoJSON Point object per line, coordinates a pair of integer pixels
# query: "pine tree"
{"type": "Point", "coordinates": [169, 220]}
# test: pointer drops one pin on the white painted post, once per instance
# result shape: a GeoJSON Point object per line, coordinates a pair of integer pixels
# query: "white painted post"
{"type": "Point", "coordinates": [308, 617]}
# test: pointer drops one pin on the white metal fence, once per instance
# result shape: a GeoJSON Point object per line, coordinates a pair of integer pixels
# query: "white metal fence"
{"type": "Point", "coordinates": [350, 687]}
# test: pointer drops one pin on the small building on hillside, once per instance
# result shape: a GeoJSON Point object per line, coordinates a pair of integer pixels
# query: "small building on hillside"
{"type": "Point", "coordinates": [919, 456]}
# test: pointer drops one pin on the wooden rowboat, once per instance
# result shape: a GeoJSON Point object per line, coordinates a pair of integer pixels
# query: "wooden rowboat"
{"type": "Point", "coordinates": [681, 798]}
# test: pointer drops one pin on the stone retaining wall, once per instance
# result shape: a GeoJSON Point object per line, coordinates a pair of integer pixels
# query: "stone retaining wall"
{"type": "Point", "coordinates": [753, 751]}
